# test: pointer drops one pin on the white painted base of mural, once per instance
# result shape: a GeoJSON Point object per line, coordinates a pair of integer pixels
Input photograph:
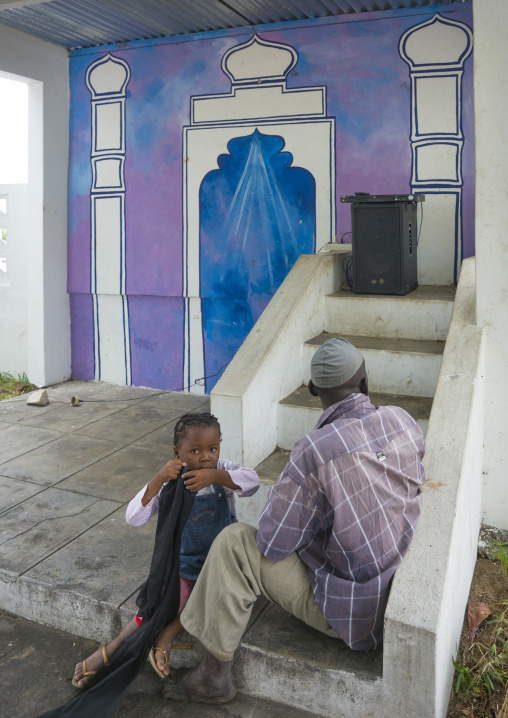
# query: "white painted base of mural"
{"type": "Point", "coordinates": [194, 361]}
{"type": "Point", "coordinates": [111, 338]}
{"type": "Point", "coordinates": [439, 230]}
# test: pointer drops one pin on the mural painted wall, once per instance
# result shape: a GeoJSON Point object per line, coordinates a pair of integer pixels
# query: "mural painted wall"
{"type": "Point", "coordinates": [201, 168]}
{"type": "Point", "coordinates": [262, 211]}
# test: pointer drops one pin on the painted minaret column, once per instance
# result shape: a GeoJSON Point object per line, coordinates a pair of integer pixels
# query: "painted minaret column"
{"type": "Point", "coordinates": [435, 52]}
{"type": "Point", "coordinates": [107, 81]}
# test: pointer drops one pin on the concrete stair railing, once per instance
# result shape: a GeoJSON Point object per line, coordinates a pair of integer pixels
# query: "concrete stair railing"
{"type": "Point", "coordinates": [425, 613]}
{"type": "Point", "coordinates": [402, 339]}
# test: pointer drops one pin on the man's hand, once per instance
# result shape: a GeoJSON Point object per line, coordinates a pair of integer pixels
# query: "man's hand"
{"type": "Point", "coordinates": [197, 479]}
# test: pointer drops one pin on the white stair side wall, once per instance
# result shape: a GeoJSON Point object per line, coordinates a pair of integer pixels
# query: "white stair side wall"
{"type": "Point", "coordinates": [491, 241]}
{"type": "Point", "coordinates": [430, 590]}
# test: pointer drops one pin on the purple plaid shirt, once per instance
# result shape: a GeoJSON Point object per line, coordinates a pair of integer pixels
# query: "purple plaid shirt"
{"type": "Point", "coordinates": [347, 502]}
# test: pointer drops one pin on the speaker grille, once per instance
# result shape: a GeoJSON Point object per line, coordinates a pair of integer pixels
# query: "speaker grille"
{"type": "Point", "coordinates": [376, 244]}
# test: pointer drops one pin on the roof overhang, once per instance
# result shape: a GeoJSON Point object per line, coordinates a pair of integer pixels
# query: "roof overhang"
{"type": "Point", "coordinates": [90, 23]}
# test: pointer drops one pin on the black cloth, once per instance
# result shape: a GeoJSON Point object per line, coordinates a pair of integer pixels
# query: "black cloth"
{"type": "Point", "coordinates": [158, 601]}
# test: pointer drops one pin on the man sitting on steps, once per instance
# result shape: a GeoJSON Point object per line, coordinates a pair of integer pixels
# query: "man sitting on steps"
{"type": "Point", "coordinates": [336, 526]}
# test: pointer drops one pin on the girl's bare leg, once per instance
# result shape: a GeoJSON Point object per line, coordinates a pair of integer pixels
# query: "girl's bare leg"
{"type": "Point", "coordinates": [164, 641]}
{"type": "Point", "coordinates": [96, 660]}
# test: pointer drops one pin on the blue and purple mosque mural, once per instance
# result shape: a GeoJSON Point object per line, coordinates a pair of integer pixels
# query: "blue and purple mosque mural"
{"type": "Point", "coordinates": [202, 167]}
{"type": "Point", "coordinates": [261, 213]}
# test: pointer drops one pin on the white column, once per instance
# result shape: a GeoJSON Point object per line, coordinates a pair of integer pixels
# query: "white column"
{"type": "Point", "coordinates": [45, 69]}
{"type": "Point", "coordinates": [491, 111]}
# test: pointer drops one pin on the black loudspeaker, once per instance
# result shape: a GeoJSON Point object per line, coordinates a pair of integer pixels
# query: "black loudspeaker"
{"type": "Point", "coordinates": [384, 247]}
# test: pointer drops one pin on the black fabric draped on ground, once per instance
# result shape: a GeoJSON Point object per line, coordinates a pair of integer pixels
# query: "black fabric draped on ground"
{"type": "Point", "coordinates": [158, 601]}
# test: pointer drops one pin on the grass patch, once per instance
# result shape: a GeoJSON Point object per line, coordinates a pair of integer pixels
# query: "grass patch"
{"type": "Point", "coordinates": [500, 553]}
{"type": "Point", "coordinates": [11, 386]}
{"type": "Point", "coordinates": [482, 668]}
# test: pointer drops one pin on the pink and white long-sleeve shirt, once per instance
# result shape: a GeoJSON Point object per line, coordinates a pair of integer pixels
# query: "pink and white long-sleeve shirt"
{"type": "Point", "coordinates": [246, 479]}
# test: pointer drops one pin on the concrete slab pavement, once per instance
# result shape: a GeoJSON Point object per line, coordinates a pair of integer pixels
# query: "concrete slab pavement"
{"type": "Point", "coordinates": [36, 664]}
{"type": "Point", "coordinates": [67, 557]}
{"type": "Point", "coordinates": [45, 523]}
{"type": "Point", "coordinates": [69, 560]}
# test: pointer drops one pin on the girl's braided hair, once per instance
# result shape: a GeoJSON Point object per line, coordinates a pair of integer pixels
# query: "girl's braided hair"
{"type": "Point", "coordinates": [187, 420]}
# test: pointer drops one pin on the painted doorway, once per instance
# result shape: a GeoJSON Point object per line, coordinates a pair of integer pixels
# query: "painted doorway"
{"type": "Point", "coordinates": [257, 215]}
{"type": "Point", "coordinates": [259, 129]}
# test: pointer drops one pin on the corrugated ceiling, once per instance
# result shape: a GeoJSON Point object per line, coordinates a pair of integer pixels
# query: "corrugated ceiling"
{"type": "Point", "coordinates": [88, 23]}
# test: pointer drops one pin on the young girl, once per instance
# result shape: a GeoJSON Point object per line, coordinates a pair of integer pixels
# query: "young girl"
{"type": "Point", "coordinates": [215, 482]}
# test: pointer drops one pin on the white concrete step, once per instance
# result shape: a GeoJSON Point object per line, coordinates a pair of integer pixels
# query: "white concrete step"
{"type": "Point", "coordinates": [422, 314]}
{"type": "Point", "coordinates": [394, 365]}
{"type": "Point", "coordinates": [280, 656]}
{"type": "Point", "coordinates": [298, 413]}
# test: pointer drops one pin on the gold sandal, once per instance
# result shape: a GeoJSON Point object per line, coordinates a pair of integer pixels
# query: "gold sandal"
{"type": "Point", "coordinates": [89, 673]}
{"type": "Point", "coordinates": [151, 657]}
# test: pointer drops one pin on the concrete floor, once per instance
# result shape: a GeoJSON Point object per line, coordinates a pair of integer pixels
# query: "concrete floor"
{"type": "Point", "coordinates": [66, 475]}
{"type": "Point", "coordinates": [36, 665]}
{"type": "Point", "coordinates": [68, 559]}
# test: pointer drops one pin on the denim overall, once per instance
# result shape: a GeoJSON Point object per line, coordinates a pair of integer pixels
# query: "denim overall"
{"type": "Point", "coordinates": [209, 515]}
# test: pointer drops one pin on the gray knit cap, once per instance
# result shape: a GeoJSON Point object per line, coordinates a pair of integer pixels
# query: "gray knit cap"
{"type": "Point", "coordinates": [334, 363]}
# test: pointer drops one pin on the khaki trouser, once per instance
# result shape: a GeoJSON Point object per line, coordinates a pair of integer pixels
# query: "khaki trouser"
{"type": "Point", "coordinates": [234, 575]}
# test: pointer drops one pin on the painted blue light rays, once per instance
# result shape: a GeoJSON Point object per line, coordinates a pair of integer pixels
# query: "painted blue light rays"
{"type": "Point", "coordinates": [258, 197]}
{"type": "Point", "coordinates": [257, 216]}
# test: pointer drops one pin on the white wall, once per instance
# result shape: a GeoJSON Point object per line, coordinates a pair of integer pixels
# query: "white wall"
{"type": "Point", "coordinates": [44, 234]}
{"type": "Point", "coordinates": [13, 296]}
{"type": "Point", "coordinates": [491, 110]}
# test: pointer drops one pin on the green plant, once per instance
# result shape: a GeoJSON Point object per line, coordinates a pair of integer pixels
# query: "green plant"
{"type": "Point", "coordinates": [500, 553]}
{"type": "Point", "coordinates": [11, 386]}
{"type": "Point", "coordinates": [482, 666]}
{"type": "Point", "coordinates": [465, 678]}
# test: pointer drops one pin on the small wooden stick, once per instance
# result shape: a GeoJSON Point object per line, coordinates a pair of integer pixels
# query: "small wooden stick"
{"type": "Point", "coordinates": [188, 648]}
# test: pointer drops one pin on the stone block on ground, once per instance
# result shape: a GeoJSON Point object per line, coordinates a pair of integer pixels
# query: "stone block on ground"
{"type": "Point", "coordinates": [38, 398]}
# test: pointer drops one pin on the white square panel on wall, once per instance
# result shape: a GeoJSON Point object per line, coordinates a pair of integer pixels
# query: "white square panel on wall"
{"type": "Point", "coordinates": [108, 173]}
{"type": "Point", "coordinates": [108, 221]}
{"type": "Point", "coordinates": [437, 162]}
{"type": "Point", "coordinates": [108, 127]}
{"type": "Point", "coordinates": [437, 102]}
